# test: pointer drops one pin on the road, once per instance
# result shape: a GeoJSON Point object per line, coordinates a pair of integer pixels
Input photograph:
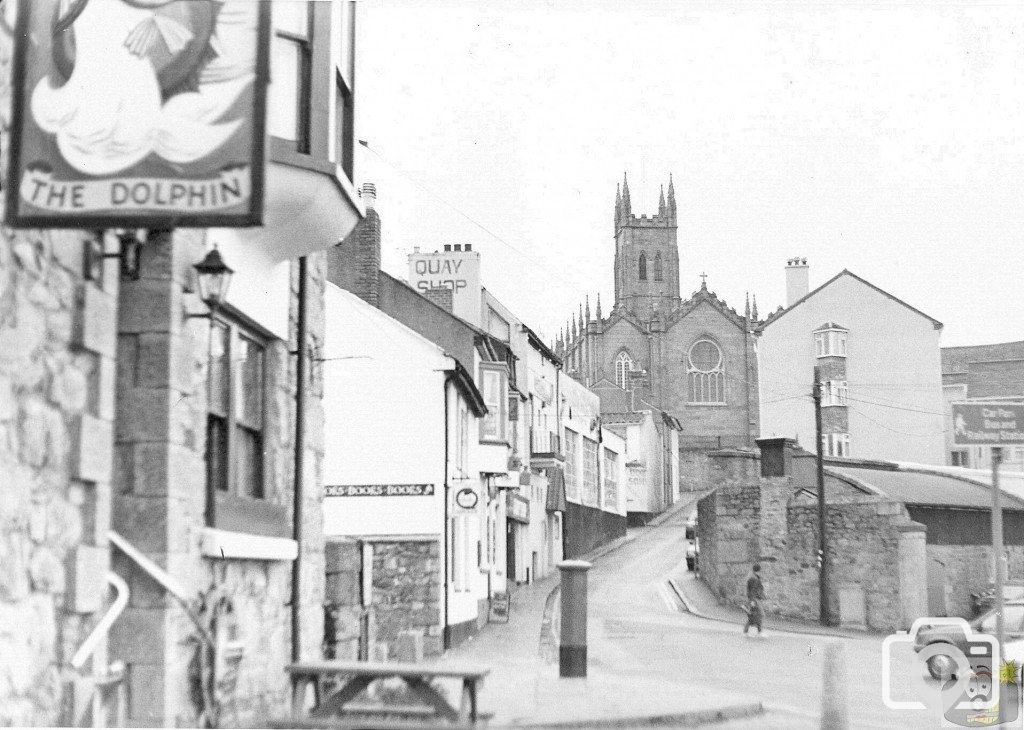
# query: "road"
{"type": "Point", "coordinates": [635, 629]}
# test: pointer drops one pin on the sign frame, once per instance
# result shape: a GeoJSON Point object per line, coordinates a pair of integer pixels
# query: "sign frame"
{"type": "Point", "coordinates": [958, 432]}
{"type": "Point", "coordinates": [16, 217]}
{"type": "Point", "coordinates": [382, 490]}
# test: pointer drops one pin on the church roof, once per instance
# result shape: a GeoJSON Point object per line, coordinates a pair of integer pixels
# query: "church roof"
{"type": "Point", "coordinates": [845, 272]}
{"type": "Point", "coordinates": [702, 296]}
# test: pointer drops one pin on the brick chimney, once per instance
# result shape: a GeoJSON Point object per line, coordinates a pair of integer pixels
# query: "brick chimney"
{"type": "Point", "coordinates": [354, 264]}
{"type": "Point", "coordinates": [797, 280]}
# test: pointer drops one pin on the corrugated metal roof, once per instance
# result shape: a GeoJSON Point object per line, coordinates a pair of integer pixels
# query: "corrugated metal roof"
{"type": "Point", "coordinates": [635, 417]}
{"type": "Point", "coordinates": [917, 488]}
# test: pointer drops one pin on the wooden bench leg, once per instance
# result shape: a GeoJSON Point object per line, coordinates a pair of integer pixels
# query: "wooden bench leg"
{"type": "Point", "coordinates": [468, 708]}
{"type": "Point", "coordinates": [299, 685]}
{"type": "Point", "coordinates": [426, 692]}
{"type": "Point", "coordinates": [335, 704]}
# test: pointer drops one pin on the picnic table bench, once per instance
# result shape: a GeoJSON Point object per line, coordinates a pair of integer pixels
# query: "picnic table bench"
{"type": "Point", "coordinates": [337, 683]}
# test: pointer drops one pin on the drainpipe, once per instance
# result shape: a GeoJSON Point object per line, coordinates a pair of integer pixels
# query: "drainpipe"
{"type": "Point", "coordinates": [300, 449]}
{"type": "Point", "coordinates": [444, 553]}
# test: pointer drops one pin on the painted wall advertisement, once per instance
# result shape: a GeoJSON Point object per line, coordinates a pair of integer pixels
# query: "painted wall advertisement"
{"type": "Point", "coordinates": [137, 113]}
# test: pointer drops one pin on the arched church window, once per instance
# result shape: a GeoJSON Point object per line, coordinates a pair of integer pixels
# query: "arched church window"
{"type": "Point", "coordinates": [623, 365]}
{"type": "Point", "coordinates": [705, 369]}
{"type": "Point", "coordinates": [643, 266]}
{"type": "Point", "coordinates": [658, 271]}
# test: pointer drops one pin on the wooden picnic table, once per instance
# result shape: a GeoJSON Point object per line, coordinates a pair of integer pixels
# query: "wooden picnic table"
{"type": "Point", "coordinates": [350, 678]}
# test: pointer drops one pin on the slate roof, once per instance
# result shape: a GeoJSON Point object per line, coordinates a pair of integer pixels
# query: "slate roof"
{"type": "Point", "coordinates": [780, 312]}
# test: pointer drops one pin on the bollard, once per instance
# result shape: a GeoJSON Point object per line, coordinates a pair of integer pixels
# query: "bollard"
{"type": "Point", "coordinates": [572, 648]}
{"type": "Point", "coordinates": [833, 689]}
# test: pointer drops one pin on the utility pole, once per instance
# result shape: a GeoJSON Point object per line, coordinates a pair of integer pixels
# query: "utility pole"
{"type": "Point", "coordinates": [823, 615]}
{"type": "Point", "coordinates": [997, 545]}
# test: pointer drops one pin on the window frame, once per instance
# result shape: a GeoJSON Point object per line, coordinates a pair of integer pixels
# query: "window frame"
{"type": "Point", "coordinates": [624, 357]}
{"type": "Point", "coordinates": [718, 371]}
{"type": "Point", "coordinates": [589, 458]}
{"type": "Point", "coordinates": [830, 342]}
{"type": "Point", "coordinates": [302, 144]}
{"type": "Point", "coordinates": [659, 267]}
{"type": "Point", "coordinates": [501, 415]}
{"type": "Point", "coordinates": [642, 266]}
{"type": "Point", "coordinates": [835, 393]}
{"type": "Point", "coordinates": [609, 477]}
{"type": "Point", "coordinates": [234, 508]}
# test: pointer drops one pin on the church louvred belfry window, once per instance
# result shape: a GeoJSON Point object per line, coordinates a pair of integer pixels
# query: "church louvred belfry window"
{"type": "Point", "coordinates": [659, 271]}
{"type": "Point", "coordinates": [705, 368]}
{"type": "Point", "coordinates": [643, 266]}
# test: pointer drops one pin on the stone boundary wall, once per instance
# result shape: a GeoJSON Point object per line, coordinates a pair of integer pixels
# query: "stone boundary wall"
{"type": "Point", "coordinates": [750, 519]}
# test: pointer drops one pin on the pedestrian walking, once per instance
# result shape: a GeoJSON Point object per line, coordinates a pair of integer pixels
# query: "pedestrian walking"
{"type": "Point", "coordinates": [755, 594]}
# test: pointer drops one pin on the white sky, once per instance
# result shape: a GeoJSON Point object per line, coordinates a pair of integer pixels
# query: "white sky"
{"type": "Point", "coordinates": [880, 137]}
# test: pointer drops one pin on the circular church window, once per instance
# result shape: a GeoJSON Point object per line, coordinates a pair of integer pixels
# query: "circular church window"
{"type": "Point", "coordinates": [705, 357]}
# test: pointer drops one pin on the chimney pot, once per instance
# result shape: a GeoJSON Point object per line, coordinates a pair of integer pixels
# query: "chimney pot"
{"type": "Point", "coordinates": [458, 246]}
{"type": "Point", "coordinates": [447, 247]}
{"type": "Point", "coordinates": [369, 195]}
{"type": "Point", "coordinates": [469, 247]}
{"type": "Point", "coordinates": [797, 280]}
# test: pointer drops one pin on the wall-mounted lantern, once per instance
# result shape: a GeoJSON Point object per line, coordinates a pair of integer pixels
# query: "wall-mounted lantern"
{"type": "Point", "coordinates": [214, 277]}
{"type": "Point", "coordinates": [130, 244]}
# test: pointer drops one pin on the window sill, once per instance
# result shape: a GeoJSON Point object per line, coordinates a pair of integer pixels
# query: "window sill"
{"type": "Point", "coordinates": [493, 442]}
{"type": "Point", "coordinates": [244, 546]}
{"type": "Point", "coordinates": [711, 405]}
{"type": "Point", "coordinates": [834, 354]}
{"type": "Point", "coordinates": [833, 405]}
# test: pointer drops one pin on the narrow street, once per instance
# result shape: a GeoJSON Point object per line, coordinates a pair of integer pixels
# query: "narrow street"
{"type": "Point", "coordinates": [637, 631]}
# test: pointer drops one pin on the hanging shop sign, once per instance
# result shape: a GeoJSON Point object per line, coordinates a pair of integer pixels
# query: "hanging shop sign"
{"type": "Point", "coordinates": [518, 508]}
{"type": "Point", "coordinates": [466, 498]}
{"type": "Point", "coordinates": [378, 490]}
{"type": "Point", "coordinates": [138, 113]}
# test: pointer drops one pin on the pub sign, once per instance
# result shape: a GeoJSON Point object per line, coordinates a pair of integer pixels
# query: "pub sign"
{"type": "Point", "coordinates": [137, 113]}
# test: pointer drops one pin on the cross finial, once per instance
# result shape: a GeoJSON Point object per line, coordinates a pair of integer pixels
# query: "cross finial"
{"type": "Point", "coordinates": [704, 281]}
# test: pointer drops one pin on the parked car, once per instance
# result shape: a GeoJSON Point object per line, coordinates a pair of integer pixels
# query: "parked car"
{"type": "Point", "coordinates": [692, 549]}
{"type": "Point", "coordinates": [942, 666]}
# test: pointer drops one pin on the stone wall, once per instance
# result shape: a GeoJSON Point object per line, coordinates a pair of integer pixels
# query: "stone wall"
{"type": "Point", "coordinates": [407, 592]}
{"type": "Point", "coordinates": [750, 519]}
{"type": "Point", "coordinates": [56, 413]}
{"type": "Point", "coordinates": [160, 500]}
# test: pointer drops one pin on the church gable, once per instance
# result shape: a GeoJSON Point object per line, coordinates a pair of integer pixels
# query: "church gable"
{"type": "Point", "coordinates": [705, 304]}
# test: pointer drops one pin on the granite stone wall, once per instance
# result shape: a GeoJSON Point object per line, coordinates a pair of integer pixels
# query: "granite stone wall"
{"type": "Point", "coordinates": [407, 592]}
{"type": "Point", "coordinates": [57, 334]}
{"type": "Point", "coordinates": [160, 496]}
{"type": "Point", "coordinates": [750, 519]}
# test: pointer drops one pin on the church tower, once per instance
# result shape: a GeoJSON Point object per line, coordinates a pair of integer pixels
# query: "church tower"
{"type": "Point", "coordinates": [646, 255]}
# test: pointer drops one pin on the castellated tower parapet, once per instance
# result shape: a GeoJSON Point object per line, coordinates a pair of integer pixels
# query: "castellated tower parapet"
{"type": "Point", "coordinates": [646, 255]}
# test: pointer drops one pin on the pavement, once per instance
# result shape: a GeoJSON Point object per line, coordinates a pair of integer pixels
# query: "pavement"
{"type": "Point", "coordinates": [524, 689]}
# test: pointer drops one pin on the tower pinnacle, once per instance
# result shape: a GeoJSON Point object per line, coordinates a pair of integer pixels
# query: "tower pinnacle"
{"type": "Point", "coordinates": [661, 201]}
{"type": "Point", "coordinates": [627, 208]}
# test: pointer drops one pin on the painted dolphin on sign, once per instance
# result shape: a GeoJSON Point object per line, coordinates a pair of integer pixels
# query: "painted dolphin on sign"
{"type": "Point", "coordinates": [175, 83]}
